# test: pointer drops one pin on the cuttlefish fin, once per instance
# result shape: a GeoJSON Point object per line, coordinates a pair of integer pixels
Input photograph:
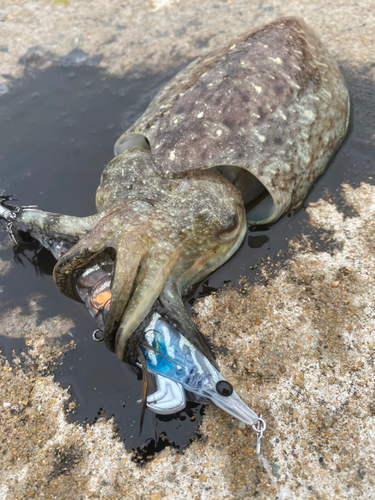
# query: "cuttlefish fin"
{"type": "Point", "coordinates": [171, 300]}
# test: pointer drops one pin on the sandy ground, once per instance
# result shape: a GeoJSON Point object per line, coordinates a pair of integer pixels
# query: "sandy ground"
{"type": "Point", "coordinates": [300, 350]}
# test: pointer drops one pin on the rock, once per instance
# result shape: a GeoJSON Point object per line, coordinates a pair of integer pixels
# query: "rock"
{"type": "Point", "coordinates": [154, 496]}
{"type": "Point", "coordinates": [298, 381]}
{"type": "Point", "coordinates": [33, 55]}
{"type": "Point", "coordinates": [276, 470]}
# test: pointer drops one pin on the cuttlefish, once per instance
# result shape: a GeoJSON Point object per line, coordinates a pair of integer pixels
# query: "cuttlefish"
{"type": "Point", "coordinates": [239, 136]}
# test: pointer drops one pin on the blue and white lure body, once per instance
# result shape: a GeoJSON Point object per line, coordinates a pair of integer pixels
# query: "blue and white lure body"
{"type": "Point", "coordinates": [178, 367]}
{"type": "Point", "coordinates": [169, 355]}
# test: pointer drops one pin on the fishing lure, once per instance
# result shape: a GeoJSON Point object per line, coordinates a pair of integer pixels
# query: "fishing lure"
{"type": "Point", "coordinates": [178, 367]}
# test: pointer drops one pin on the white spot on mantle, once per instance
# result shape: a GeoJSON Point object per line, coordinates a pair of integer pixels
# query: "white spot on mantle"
{"type": "Point", "coordinates": [199, 115]}
{"type": "Point", "coordinates": [276, 59]}
{"type": "Point", "coordinates": [219, 132]}
{"type": "Point", "coordinates": [260, 137]}
{"type": "Point", "coordinates": [172, 155]}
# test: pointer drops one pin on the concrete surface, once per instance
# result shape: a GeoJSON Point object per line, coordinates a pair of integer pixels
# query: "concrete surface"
{"type": "Point", "coordinates": [300, 350]}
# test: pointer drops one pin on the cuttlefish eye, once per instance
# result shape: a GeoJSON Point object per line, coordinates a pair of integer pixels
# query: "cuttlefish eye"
{"type": "Point", "coordinates": [224, 388]}
{"type": "Point", "coordinates": [231, 230]}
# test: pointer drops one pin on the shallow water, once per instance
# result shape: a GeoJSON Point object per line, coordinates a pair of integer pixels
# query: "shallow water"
{"type": "Point", "coordinates": [58, 129]}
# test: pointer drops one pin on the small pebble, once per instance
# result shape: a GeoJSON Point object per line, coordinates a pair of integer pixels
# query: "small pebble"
{"type": "Point", "coordinates": [154, 496]}
{"type": "Point", "coordinates": [202, 478]}
{"type": "Point", "coordinates": [276, 470]}
{"type": "Point", "coordinates": [298, 382]}
{"type": "Point", "coordinates": [241, 425]}
{"type": "Point", "coordinates": [335, 284]}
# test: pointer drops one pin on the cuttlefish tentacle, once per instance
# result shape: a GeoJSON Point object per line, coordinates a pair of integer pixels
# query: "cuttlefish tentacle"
{"type": "Point", "coordinates": [130, 251]}
{"type": "Point", "coordinates": [36, 222]}
{"type": "Point", "coordinates": [150, 281]}
{"type": "Point", "coordinates": [165, 234]}
{"type": "Point", "coordinates": [172, 301]}
{"type": "Point", "coordinates": [81, 255]}
{"type": "Point", "coordinates": [167, 231]}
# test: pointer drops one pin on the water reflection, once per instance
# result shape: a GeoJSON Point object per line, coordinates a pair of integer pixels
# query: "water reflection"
{"type": "Point", "coordinates": [257, 241]}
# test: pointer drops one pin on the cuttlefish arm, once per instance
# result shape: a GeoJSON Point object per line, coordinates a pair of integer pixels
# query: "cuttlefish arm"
{"type": "Point", "coordinates": [173, 232]}
{"type": "Point", "coordinates": [40, 224]}
{"type": "Point", "coordinates": [161, 234]}
{"type": "Point", "coordinates": [171, 299]}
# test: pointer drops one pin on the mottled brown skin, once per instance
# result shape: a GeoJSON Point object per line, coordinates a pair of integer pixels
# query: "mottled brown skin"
{"type": "Point", "coordinates": [273, 103]}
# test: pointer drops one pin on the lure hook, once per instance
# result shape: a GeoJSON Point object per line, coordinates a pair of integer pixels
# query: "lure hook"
{"type": "Point", "coordinates": [259, 428]}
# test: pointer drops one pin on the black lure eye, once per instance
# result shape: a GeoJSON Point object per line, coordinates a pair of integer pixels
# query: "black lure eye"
{"type": "Point", "coordinates": [224, 388]}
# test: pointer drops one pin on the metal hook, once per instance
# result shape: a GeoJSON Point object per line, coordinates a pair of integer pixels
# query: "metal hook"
{"type": "Point", "coordinates": [259, 428]}
{"type": "Point", "coordinates": [98, 335]}
{"type": "Point", "coordinates": [8, 214]}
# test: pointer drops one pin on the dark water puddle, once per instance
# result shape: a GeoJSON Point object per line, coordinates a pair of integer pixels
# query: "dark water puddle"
{"type": "Point", "coordinates": [58, 127]}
